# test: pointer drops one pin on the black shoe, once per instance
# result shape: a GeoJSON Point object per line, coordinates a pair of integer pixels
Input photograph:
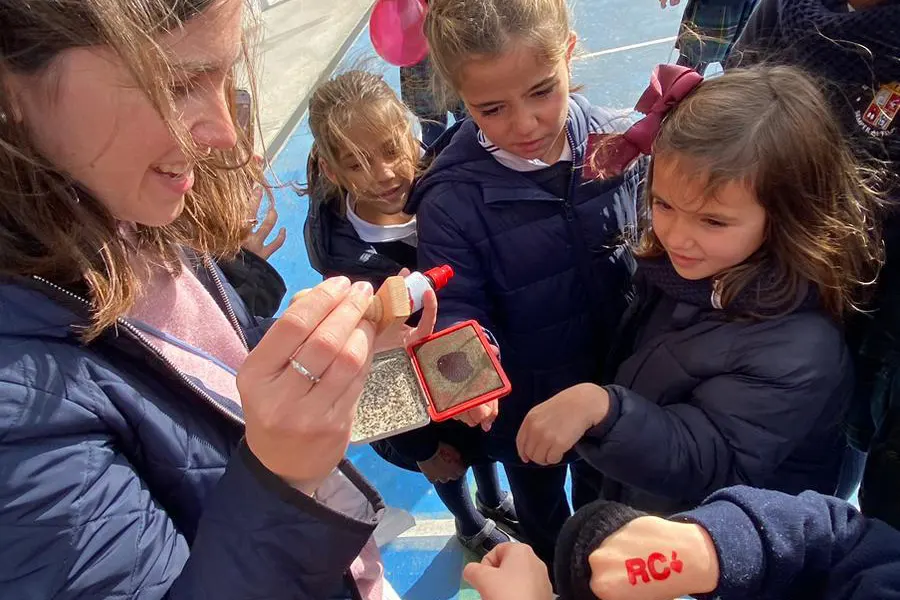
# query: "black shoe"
{"type": "Point", "coordinates": [504, 515]}
{"type": "Point", "coordinates": [485, 540]}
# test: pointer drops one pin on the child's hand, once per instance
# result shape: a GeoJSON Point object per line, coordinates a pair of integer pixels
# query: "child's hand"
{"type": "Point", "coordinates": [256, 241]}
{"type": "Point", "coordinates": [552, 428]}
{"type": "Point", "coordinates": [401, 335]}
{"type": "Point", "coordinates": [654, 559]}
{"type": "Point", "coordinates": [446, 465]}
{"type": "Point", "coordinates": [483, 415]}
{"type": "Point", "coordinates": [510, 572]}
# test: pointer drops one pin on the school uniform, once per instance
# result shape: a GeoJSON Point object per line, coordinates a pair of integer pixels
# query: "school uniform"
{"type": "Point", "coordinates": [709, 29]}
{"type": "Point", "coordinates": [855, 53]}
{"type": "Point", "coordinates": [703, 398]}
{"type": "Point", "coordinates": [539, 263]}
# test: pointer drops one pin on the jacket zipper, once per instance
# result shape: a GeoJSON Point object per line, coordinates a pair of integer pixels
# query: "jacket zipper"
{"type": "Point", "coordinates": [224, 410]}
{"type": "Point", "coordinates": [567, 201]}
{"type": "Point", "coordinates": [207, 262]}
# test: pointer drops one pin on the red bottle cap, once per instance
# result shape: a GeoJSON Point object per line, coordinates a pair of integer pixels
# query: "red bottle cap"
{"type": "Point", "coordinates": [439, 276]}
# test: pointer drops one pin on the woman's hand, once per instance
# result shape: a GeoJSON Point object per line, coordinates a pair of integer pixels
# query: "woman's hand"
{"type": "Point", "coordinates": [662, 3]}
{"type": "Point", "coordinates": [654, 559]}
{"type": "Point", "coordinates": [401, 335]}
{"type": "Point", "coordinates": [510, 572]}
{"type": "Point", "coordinates": [256, 241]}
{"type": "Point", "coordinates": [552, 428]}
{"type": "Point", "coordinates": [299, 428]}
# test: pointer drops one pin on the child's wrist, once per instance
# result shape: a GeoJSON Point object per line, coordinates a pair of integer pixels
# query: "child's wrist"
{"type": "Point", "coordinates": [703, 577]}
{"type": "Point", "coordinates": [594, 405]}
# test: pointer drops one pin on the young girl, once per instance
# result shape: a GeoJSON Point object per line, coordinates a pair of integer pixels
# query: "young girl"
{"type": "Point", "coordinates": [730, 367]}
{"type": "Point", "coordinates": [360, 172]}
{"type": "Point", "coordinates": [534, 244]}
{"type": "Point", "coordinates": [853, 46]}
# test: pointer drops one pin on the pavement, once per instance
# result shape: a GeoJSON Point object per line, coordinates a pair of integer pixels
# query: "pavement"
{"type": "Point", "coordinates": [299, 43]}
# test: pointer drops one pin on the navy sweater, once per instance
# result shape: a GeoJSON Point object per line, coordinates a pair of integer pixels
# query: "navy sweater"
{"type": "Point", "coordinates": [773, 546]}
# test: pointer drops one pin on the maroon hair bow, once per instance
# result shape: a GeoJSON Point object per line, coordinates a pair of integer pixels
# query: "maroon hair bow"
{"type": "Point", "coordinates": [611, 154]}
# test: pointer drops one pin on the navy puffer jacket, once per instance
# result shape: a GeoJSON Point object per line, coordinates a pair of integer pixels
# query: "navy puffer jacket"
{"type": "Point", "coordinates": [123, 478]}
{"type": "Point", "coordinates": [702, 399]}
{"type": "Point", "coordinates": [547, 275]}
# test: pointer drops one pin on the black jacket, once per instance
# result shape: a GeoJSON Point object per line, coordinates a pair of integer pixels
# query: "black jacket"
{"type": "Point", "coordinates": [701, 401]}
{"type": "Point", "coordinates": [257, 283]}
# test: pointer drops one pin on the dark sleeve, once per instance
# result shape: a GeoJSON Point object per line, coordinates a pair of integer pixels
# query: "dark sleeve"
{"type": "Point", "coordinates": [442, 242]}
{"type": "Point", "coordinates": [759, 39]}
{"type": "Point", "coordinates": [735, 429]}
{"type": "Point", "coordinates": [256, 281]}
{"type": "Point", "coordinates": [417, 445]}
{"type": "Point", "coordinates": [772, 545]}
{"type": "Point", "coordinates": [78, 521]}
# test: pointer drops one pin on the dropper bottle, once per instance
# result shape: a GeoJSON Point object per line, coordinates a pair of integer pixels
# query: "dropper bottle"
{"type": "Point", "coordinates": [418, 283]}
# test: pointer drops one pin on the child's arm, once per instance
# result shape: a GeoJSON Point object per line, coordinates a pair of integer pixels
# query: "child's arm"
{"type": "Point", "coordinates": [741, 544]}
{"type": "Point", "coordinates": [735, 428]}
{"type": "Point", "coordinates": [773, 545]}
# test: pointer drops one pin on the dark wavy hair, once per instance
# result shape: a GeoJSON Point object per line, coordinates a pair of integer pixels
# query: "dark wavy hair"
{"type": "Point", "coordinates": [771, 128]}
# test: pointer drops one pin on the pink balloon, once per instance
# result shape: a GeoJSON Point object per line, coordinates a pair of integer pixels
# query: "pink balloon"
{"type": "Point", "coordinates": [395, 29]}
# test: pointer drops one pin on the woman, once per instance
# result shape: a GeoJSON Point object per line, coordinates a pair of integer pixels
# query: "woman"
{"type": "Point", "coordinates": [145, 451]}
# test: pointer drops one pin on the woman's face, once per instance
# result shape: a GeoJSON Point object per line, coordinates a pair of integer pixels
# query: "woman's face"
{"type": "Point", "coordinates": [88, 117]}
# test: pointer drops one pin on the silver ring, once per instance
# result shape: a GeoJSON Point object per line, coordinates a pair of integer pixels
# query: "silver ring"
{"type": "Point", "coordinates": [305, 372]}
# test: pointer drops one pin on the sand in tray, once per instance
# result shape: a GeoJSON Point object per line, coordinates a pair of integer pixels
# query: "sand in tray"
{"type": "Point", "coordinates": [392, 400]}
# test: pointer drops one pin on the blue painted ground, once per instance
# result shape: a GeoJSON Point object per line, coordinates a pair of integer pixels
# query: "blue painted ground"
{"type": "Point", "coordinates": [620, 44]}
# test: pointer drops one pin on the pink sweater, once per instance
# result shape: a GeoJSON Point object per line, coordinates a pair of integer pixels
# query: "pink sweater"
{"type": "Point", "coordinates": [182, 308]}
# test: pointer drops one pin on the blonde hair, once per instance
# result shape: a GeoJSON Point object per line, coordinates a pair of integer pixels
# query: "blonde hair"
{"type": "Point", "coordinates": [339, 111]}
{"type": "Point", "coordinates": [49, 226]}
{"type": "Point", "coordinates": [459, 30]}
{"type": "Point", "coordinates": [771, 128]}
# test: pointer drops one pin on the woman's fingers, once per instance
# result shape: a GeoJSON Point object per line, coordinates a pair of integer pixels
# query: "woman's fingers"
{"type": "Point", "coordinates": [300, 319]}
{"type": "Point", "coordinates": [328, 340]}
{"type": "Point", "coordinates": [467, 419]}
{"type": "Point", "coordinates": [269, 249]}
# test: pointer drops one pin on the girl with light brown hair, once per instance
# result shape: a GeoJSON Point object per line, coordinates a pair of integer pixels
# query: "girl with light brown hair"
{"type": "Point", "coordinates": [364, 160]}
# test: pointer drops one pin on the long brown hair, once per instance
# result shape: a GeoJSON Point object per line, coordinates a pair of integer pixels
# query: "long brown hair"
{"type": "Point", "coordinates": [342, 108]}
{"type": "Point", "coordinates": [49, 227]}
{"type": "Point", "coordinates": [771, 128]}
{"type": "Point", "coordinates": [458, 30]}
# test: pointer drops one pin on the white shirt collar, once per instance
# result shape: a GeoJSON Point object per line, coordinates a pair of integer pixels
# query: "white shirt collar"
{"type": "Point", "coordinates": [517, 163]}
{"type": "Point", "coordinates": [374, 234]}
